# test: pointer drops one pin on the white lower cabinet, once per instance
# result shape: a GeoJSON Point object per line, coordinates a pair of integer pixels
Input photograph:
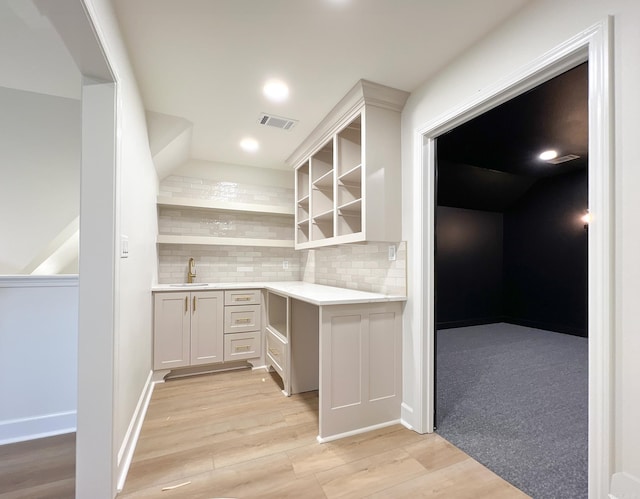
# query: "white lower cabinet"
{"type": "Point", "coordinates": [242, 324]}
{"type": "Point", "coordinates": [188, 329]}
{"type": "Point", "coordinates": [350, 353]}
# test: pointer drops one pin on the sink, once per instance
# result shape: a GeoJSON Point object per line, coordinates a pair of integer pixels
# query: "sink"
{"type": "Point", "coordinates": [189, 285]}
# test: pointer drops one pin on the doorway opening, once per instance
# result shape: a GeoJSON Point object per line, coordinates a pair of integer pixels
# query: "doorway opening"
{"type": "Point", "coordinates": [511, 277]}
{"type": "Point", "coordinates": [593, 44]}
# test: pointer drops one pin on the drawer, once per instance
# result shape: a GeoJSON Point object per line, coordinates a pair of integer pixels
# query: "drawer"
{"type": "Point", "coordinates": [242, 318]}
{"type": "Point", "coordinates": [276, 353]}
{"type": "Point", "coordinates": [239, 346]}
{"type": "Point", "coordinates": [242, 297]}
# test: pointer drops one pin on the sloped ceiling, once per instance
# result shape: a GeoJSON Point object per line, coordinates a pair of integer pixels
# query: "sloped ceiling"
{"type": "Point", "coordinates": [205, 61]}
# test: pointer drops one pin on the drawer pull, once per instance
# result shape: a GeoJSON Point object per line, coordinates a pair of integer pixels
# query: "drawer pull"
{"type": "Point", "coordinates": [274, 352]}
{"type": "Point", "coordinates": [242, 298]}
{"type": "Point", "coordinates": [243, 348]}
{"type": "Point", "coordinates": [243, 321]}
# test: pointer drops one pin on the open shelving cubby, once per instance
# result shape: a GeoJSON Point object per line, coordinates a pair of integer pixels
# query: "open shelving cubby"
{"type": "Point", "coordinates": [277, 314]}
{"type": "Point", "coordinates": [302, 193]}
{"type": "Point", "coordinates": [322, 195]}
{"type": "Point", "coordinates": [349, 186]}
{"type": "Point", "coordinates": [352, 159]}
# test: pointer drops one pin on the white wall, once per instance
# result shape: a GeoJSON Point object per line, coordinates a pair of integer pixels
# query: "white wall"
{"type": "Point", "coordinates": [536, 29]}
{"type": "Point", "coordinates": [40, 163]}
{"type": "Point", "coordinates": [138, 187]}
{"type": "Point", "coordinates": [38, 356]}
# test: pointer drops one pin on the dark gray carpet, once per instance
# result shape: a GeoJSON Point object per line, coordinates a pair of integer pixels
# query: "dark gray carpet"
{"type": "Point", "coordinates": [515, 399]}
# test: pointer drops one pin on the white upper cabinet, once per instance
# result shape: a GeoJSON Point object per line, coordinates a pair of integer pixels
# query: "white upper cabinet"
{"type": "Point", "coordinates": [348, 182]}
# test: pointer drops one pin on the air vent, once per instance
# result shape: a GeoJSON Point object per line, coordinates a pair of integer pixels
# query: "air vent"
{"type": "Point", "coordinates": [277, 121]}
{"type": "Point", "coordinates": [563, 159]}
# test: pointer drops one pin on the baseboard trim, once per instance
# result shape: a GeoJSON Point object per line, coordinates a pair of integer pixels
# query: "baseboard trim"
{"type": "Point", "coordinates": [356, 432]}
{"type": "Point", "coordinates": [469, 322]}
{"type": "Point", "coordinates": [125, 454]}
{"type": "Point", "coordinates": [49, 425]}
{"type": "Point", "coordinates": [556, 328]}
{"type": "Point", "coordinates": [624, 486]}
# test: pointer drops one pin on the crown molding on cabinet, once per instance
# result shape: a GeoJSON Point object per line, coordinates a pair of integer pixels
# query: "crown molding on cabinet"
{"type": "Point", "coordinates": [364, 92]}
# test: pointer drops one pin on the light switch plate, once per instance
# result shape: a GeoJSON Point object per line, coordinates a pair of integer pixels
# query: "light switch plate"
{"type": "Point", "coordinates": [124, 246]}
{"type": "Point", "coordinates": [392, 252]}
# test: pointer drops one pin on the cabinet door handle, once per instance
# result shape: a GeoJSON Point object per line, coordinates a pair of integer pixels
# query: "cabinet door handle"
{"type": "Point", "coordinates": [274, 352]}
{"type": "Point", "coordinates": [194, 303]}
{"type": "Point", "coordinates": [186, 303]}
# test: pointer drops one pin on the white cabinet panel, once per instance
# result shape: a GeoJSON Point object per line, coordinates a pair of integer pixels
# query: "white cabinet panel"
{"type": "Point", "coordinates": [304, 355]}
{"type": "Point", "coordinates": [206, 332]}
{"type": "Point", "coordinates": [360, 368]}
{"type": "Point", "coordinates": [383, 371]}
{"type": "Point", "coordinates": [345, 357]}
{"type": "Point", "coordinates": [172, 322]}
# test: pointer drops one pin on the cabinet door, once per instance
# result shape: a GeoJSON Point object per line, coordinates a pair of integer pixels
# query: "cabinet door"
{"type": "Point", "coordinates": [172, 314]}
{"type": "Point", "coordinates": [207, 316]}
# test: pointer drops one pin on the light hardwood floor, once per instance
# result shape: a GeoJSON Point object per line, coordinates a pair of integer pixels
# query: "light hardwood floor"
{"type": "Point", "coordinates": [39, 469]}
{"type": "Point", "coordinates": [234, 434]}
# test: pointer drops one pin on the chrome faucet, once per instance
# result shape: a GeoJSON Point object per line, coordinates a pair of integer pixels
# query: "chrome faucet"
{"type": "Point", "coordinates": [191, 275]}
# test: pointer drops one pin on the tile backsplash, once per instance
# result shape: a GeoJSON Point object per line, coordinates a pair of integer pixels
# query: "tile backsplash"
{"type": "Point", "coordinates": [365, 266]}
{"type": "Point", "coordinates": [227, 263]}
{"type": "Point", "coordinates": [197, 188]}
{"type": "Point", "coordinates": [196, 222]}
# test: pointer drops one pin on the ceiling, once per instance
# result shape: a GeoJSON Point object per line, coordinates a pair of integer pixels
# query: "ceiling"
{"type": "Point", "coordinates": [492, 160]}
{"type": "Point", "coordinates": [204, 62]}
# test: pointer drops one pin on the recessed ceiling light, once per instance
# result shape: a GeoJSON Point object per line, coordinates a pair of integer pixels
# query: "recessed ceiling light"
{"type": "Point", "coordinates": [249, 145]}
{"type": "Point", "coordinates": [547, 155]}
{"type": "Point", "coordinates": [276, 90]}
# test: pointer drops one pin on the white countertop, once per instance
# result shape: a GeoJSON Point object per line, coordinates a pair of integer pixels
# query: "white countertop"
{"type": "Point", "coordinates": [315, 294]}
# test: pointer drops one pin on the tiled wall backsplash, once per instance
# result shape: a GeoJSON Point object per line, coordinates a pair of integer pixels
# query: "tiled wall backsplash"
{"type": "Point", "coordinates": [195, 222]}
{"type": "Point", "coordinates": [189, 187]}
{"type": "Point", "coordinates": [365, 267]}
{"type": "Point", "coordinates": [227, 264]}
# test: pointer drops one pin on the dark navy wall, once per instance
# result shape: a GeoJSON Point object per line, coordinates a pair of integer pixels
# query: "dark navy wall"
{"type": "Point", "coordinates": [468, 266]}
{"type": "Point", "coordinates": [545, 251]}
{"type": "Point", "coordinates": [527, 266]}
